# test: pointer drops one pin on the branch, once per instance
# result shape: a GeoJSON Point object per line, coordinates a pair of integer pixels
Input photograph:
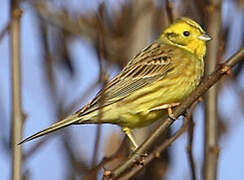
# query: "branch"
{"type": "Point", "coordinates": [200, 90]}
{"type": "Point", "coordinates": [104, 80]}
{"type": "Point", "coordinates": [189, 148]}
{"type": "Point", "coordinates": [169, 10]}
{"type": "Point", "coordinates": [4, 31]}
{"type": "Point", "coordinates": [211, 149]}
{"type": "Point", "coordinates": [17, 115]}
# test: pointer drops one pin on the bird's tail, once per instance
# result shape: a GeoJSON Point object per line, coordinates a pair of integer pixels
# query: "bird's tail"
{"type": "Point", "coordinates": [54, 127]}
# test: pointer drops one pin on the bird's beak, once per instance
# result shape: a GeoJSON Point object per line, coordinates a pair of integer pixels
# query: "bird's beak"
{"type": "Point", "coordinates": [204, 37]}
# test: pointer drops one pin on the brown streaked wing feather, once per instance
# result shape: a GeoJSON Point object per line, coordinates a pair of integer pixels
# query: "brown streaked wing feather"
{"type": "Point", "coordinates": [148, 66]}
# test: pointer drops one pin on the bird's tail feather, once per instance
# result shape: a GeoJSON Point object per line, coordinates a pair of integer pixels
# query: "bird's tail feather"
{"type": "Point", "coordinates": [54, 127]}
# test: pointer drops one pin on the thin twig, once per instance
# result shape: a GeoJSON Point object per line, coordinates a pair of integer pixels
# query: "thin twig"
{"type": "Point", "coordinates": [4, 31]}
{"type": "Point", "coordinates": [201, 89]}
{"type": "Point", "coordinates": [17, 115]}
{"type": "Point", "coordinates": [189, 148]}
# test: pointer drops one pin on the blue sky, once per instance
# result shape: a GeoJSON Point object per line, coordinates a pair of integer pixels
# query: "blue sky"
{"type": "Point", "coordinates": [47, 163]}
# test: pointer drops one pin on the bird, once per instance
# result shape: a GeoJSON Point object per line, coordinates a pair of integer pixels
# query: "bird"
{"type": "Point", "coordinates": [154, 81]}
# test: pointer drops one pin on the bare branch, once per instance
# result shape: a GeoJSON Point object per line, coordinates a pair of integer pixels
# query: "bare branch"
{"type": "Point", "coordinates": [189, 148]}
{"type": "Point", "coordinates": [211, 148]}
{"type": "Point", "coordinates": [4, 31]}
{"type": "Point", "coordinates": [17, 115]}
{"type": "Point", "coordinates": [169, 9]}
{"type": "Point", "coordinates": [104, 79]}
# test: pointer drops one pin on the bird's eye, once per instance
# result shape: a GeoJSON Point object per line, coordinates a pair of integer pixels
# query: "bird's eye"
{"type": "Point", "coordinates": [186, 33]}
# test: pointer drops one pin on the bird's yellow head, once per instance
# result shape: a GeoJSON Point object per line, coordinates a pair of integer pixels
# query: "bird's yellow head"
{"type": "Point", "coordinates": [187, 34]}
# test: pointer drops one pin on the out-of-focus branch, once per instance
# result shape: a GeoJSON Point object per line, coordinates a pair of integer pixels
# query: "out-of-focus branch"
{"type": "Point", "coordinates": [104, 80]}
{"type": "Point", "coordinates": [201, 89]}
{"type": "Point", "coordinates": [189, 148]}
{"type": "Point", "coordinates": [143, 12]}
{"type": "Point", "coordinates": [4, 31]}
{"type": "Point", "coordinates": [35, 148]}
{"type": "Point", "coordinates": [4, 134]}
{"type": "Point", "coordinates": [116, 155]}
{"type": "Point", "coordinates": [211, 149]}
{"type": "Point", "coordinates": [48, 62]}
{"type": "Point", "coordinates": [119, 31]}
{"type": "Point", "coordinates": [78, 163]}
{"type": "Point", "coordinates": [17, 115]}
{"type": "Point", "coordinates": [169, 9]}
{"type": "Point", "coordinates": [140, 35]}
{"type": "Point", "coordinates": [63, 20]}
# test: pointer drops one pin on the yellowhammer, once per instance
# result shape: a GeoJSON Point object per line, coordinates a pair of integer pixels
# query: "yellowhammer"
{"type": "Point", "coordinates": [158, 78]}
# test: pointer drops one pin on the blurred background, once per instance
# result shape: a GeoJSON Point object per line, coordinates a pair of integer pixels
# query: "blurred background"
{"type": "Point", "coordinates": [68, 47]}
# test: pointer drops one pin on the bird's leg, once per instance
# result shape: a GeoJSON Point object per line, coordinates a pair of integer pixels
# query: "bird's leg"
{"type": "Point", "coordinates": [170, 113]}
{"type": "Point", "coordinates": [129, 134]}
{"type": "Point", "coordinates": [167, 107]}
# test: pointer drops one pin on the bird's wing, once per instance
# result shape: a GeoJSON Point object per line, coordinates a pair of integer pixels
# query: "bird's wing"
{"type": "Point", "coordinates": [148, 66]}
